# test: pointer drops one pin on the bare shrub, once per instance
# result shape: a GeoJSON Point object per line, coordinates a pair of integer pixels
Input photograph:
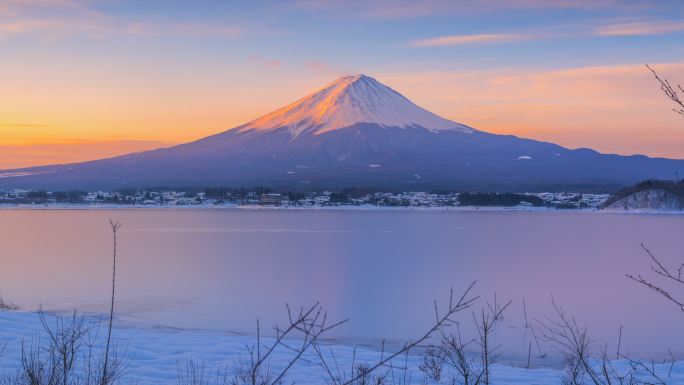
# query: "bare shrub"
{"type": "Point", "coordinates": [453, 353]}
{"type": "Point", "coordinates": [67, 356]}
{"type": "Point", "coordinates": [304, 330]}
{"type": "Point", "coordinates": [195, 373]}
{"type": "Point", "coordinates": [363, 373]}
{"type": "Point", "coordinates": [575, 344]}
{"type": "Point", "coordinates": [7, 305]}
{"type": "Point", "coordinates": [383, 370]}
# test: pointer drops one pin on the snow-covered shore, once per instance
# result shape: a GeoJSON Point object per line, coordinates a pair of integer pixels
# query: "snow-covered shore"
{"type": "Point", "coordinates": [155, 354]}
{"type": "Point", "coordinates": [338, 208]}
{"type": "Point", "coordinates": [287, 208]}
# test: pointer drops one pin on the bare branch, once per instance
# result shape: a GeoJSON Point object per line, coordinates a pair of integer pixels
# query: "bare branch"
{"type": "Point", "coordinates": [670, 91]}
{"type": "Point", "coordinates": [660, 269]}
{"type": "Point", "coordinates": [663, 271]}
{"type": "Point", "coordinates": [657, 289]}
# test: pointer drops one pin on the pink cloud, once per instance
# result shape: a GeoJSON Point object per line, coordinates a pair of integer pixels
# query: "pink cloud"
{"type": "Point", "coordinates": [467, 39]}
{"type": "Point", "coordinates": [652, 27]}
{"type": "Point", "coordinates": [390, 9]}
{"type": "Point", "coordinates": [68, 17]}
{"type": "Point", "coordinates": [256, 59]}
{"type": "Point", "coordinates": [159, 28]}
{"type": "Point", "coordinates": [317, 65]}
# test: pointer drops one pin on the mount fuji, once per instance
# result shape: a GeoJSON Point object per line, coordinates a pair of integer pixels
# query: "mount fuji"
{"type": "Point", "coordinates": [355, 132]}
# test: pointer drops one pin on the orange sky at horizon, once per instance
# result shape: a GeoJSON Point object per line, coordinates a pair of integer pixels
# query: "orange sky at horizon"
{"type": "Point", "coordinates": [89, 79]}
{"type": "Point", "coordinates": [78, 116]}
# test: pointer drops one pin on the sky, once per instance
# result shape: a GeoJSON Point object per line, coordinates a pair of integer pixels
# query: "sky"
{"type": "Point", "coordinates": [83, 80]}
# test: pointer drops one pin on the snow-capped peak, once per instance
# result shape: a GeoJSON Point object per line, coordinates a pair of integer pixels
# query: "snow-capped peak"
{"type": "Point", "coordinates": [350, 100]}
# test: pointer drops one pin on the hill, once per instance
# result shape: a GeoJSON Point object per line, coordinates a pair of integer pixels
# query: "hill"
{"type": "Point", "coordinates": [650, 195]}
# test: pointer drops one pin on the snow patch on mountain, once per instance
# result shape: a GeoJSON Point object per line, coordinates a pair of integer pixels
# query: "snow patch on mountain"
{"type": "Point", "coordinates": [348, 101]}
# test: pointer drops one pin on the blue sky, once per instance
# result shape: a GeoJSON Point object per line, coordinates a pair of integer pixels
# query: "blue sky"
{"type": "Point", "coordinates": [377, 35]}
{"type": "Point", "coordinates": [129, 75]}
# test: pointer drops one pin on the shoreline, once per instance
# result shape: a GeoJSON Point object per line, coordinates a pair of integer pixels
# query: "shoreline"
{"type": "Point", "coordinates": [79, 207]}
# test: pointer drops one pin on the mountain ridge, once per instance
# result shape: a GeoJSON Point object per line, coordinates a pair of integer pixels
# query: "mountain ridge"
{"type": "Point", "coordinates": [356, 132]}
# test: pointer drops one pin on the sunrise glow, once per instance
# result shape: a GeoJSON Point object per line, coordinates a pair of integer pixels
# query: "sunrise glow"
{"type": "Point", "coordinates": [85, 80]}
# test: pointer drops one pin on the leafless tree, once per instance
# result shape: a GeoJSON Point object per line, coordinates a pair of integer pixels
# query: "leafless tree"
{"type": "Point", "coordinates": [672, 92]}
{"type": "Point", "coordinates": [486, 324]}
{"type": "Point", "coordinates": [667, 274]}
{"type": "Point", "coordinates": [115, 225]}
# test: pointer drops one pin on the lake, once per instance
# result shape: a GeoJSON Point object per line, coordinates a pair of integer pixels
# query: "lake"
{"type": "Point", "coordinates": [221, 269]}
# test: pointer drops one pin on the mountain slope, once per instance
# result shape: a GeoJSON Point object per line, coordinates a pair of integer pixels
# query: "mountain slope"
{"type": "Point", "coordinates": [356, 132]}
{"type": "Point", "coordinates": [347, 101]}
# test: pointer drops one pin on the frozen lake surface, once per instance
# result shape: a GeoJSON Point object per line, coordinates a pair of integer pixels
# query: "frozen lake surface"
{"type": "Point", "coordinates": [218, 270]}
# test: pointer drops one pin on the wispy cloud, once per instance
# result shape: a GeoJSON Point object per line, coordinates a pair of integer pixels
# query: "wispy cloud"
{"type": "Point", "coordinates": [317, 65]}
{"type": "Point", "coordinates": [59, 18]}
{"type": "Point", "coordinates": [634, 28]}
{"type": "Point", "coordinates": [271, 63]}
{"type": "Point", "coordinates": [53, 28]}
{"type": "Point", "coordinates": [611, 28]}
{"type": "Point", "coordinates": [397, 9]}
{"type": "Point", "coordinates": [160, 28]}
{"type": "Point", "coordinates": [14, 7]}
{"type": "Point", "coordinates": [467, 39]}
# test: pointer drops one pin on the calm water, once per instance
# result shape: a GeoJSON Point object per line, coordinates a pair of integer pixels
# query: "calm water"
{"type": "Point", "coordinates": [220, 269]}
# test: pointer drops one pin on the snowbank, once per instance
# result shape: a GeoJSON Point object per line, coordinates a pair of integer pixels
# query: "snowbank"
{"type": "Point", "coordinates": [156, 352]}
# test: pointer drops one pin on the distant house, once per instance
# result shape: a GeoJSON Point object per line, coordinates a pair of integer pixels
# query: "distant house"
{"type": "Point", "coordinates": [321, 200]}
{"type": "Point", "coordinates": [18, 194]}
{"type": "Point", "coordinates": [270, 199]}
